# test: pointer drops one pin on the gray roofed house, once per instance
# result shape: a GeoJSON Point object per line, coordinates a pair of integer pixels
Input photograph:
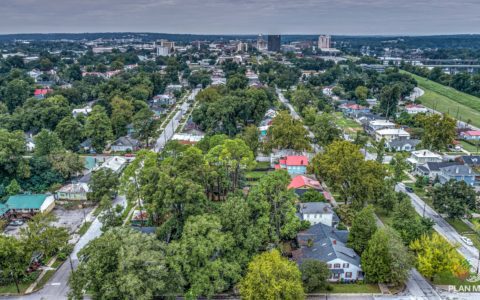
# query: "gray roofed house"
{"type": "Point", "coordinates": [403, 145]}
{"type": "Point", "coordinates": [432, 169]}
{"type": "Point", "coordinates": [472, 160]}
{"type": "Point", "coordinates": [458, 173]}
{"type": "Point", "coordinates": [318, 212]}
{"type": "Point", "coordinates": [327, 244]}
{"type": "Point", "coordinates": [125, 143]}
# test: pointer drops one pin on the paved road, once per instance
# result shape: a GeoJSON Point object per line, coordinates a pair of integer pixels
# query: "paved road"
{"type": "Point", "coordinates": [57, 286]}
{"type": "Point", "coordinates": [441, 226]}
{"type": "Point", "coordinates": [172, 126]}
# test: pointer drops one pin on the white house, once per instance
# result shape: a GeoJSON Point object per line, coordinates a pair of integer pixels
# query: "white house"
{"type": "Point", "coordinates": [421, 157]}
{"type": "Point", "coordinates": [73, 191]}
{"type": "Point", "coordinates": [413, 109]}
{"type": "Point", "coordinates": [114, 163]}
{"type": "Point", "coordinates": [391, 134]}
{"type": "Point", "coordinates": [82, 111]}
{"type": "Point", "coordinates": [381, 124]}
{"type": "Point", "coordinates": [318, 212]}
{"type": "Point", "coordinates": [327, 244]}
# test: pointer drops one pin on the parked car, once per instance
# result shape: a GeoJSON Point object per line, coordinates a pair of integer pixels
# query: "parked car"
{"type": "Point", "coordinates": [409, 189]}
{"type": "Point", "coordinates": [466, 240]}
{"type": "Point", "coordinates": [16, 223]}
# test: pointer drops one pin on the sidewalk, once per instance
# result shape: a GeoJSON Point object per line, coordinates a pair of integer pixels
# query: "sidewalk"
{"type": "Point", "coordinates": [32, 287]}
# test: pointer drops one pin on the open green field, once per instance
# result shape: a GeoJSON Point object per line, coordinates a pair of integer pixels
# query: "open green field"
{"type": "Point", "coordinates": [445, 99]}
{"type": "Point", "coordinates": [344, 288]}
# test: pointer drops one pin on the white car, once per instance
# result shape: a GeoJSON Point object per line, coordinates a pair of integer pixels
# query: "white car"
{"type": "Point", "coordinates": [466, 240]}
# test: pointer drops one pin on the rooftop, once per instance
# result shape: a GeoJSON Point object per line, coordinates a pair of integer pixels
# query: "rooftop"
{"type": "Point", "coordinates": [301, 181]}
{"type": "Point", "coordinates": [33, 201]}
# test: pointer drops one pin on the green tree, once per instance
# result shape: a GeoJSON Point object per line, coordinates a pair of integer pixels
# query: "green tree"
{"type": "Point", "coordinates": [41, 235]}
{"type": "Point", "coordinates": [361, 92]}
{"type": "Point", "coordinates": [98, 128]}
{"type": "Point", "coordinates": [47, 142]}
{"type": "Point", "coordinates": [125, 264]}
{"type": "Point", "coordinates": [13, 259]}
{"type": "Point", "coordinates": [103, 182]}
{"type": "Point", "coordinates": [389, 97]}
{"type": "Point", "coordinates": [13, 147]}
{"type": "Point", "coordinates": [274, 204]}
{"type": "Point", "coordinates": [386, 259]}
{"type": "Point", "coordinates": [312, 196]}
{"type": "Point", "coordinates": [315, 274]}
{"type": "Point", "coordinates": [454, 198]}
{"type": "Point", "coordinates": [325, 129]}
{"type": "Point", "coordinates": [400, 165]}
{"type": "Point", "coordinates": [408, 223]}
{"type": "Point", "coordinates": [66, 163]}
{"type": "Point", "coordinates": [70, 132]}
{"type": "Point", "coordinates": [380, 150]}
{"type": "Point", "coordinates": [15, 93]}
{"type": "Point", "coordinates": [203, 253]}
{"type": "Point", "coordinates": [439, 131]}
{"type": "Point", "coordinates": [287, 133]}
{"type": "Point", "coordinates": [122, 112]}
{"type": "Point", "coordinates": [251, 136]}
{"type": "Point", "coordinates": [364, 226]}
{"type": "Point", "coordinates": [144, 125]}
{"type": "Point", "coordinates": [13, 188]}
{"type": "Point", "coordinates": [435, 255]}
{"type": "Point", "coordinates": [270, 277]}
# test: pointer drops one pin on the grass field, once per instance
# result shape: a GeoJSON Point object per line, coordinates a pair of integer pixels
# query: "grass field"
{"type": "Point", "coordinates": [448, 100]}
{"type": "Point", "coordinates": [340, 288]}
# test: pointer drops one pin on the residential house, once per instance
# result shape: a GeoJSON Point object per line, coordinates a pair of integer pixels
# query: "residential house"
{"type": "Point", "coordinates": [413, 109]}
{"type": "Point", "coordinates": [172, 88]}
{"type": "Point", "coordinates": [470, 135]}
{"type": "Point", "coordinates": [458, 173]}
{"type": "Point", "coordinates": [187, 139]}
{"type": "Point", "coordinates": [41, 93]}
{"type": "Point", "coordinates": [4, 212]}
{"type": "Point", "coordinates": [327, 244]}
{"type": "Point", "coordinates": [82, 111]}
{"type": "Point", "coordinates": [473, 161]}
{"type": "Point", "coordinates": [29, 143]}
{"type": "Point", "coordinates": [73, 191]}
{"type": "Point", "coordinates": [318, 212]}
{"type": "Point", "coordinates": [86, 146]}
{"type": "Point", "coordinates": [378, 124]}
{"type": "Point", "coordinates": [391, 134]}
{"type": "Point", "coordinates": [125, 143]}
{"type": "Point", "coordinates": [402, 144]}
{"type": "Point", "coordinates": [114, 163]}
{"type": "Point", "coordinates": [353, 109]}
{"type": "Point", "coordinates": [420, 157]}
{"type": "Point", "coordinates": [303, 183]}
{"type": "Point", "coordinates": [25, 206]}
{"type": "Point", "coordinates": [164, 100]}
{"type": "Point", "coordinates": [432, 169]}
{"type": "Point", "coordinates": [294, 164]}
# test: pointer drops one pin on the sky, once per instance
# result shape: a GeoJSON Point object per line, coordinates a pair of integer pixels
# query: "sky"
{"type": "Point", "coordinates": [340, 17]}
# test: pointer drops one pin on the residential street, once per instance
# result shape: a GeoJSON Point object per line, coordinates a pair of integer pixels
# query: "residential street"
{"type": "Point", "coordinates": [57, 287]}
{"type": "Point", "coordinates": [442, 227]}
{"type": "Point", "coordinates": [172, 126]}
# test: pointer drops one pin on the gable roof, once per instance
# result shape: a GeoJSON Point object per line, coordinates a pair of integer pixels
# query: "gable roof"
{"type": "Point", "coordinates": [472, 133]}
{"type": "Point", "coordinates": [473, 160]}
{"type": "Point", "coordinates": [436, 166]}
{"type": "Point", "coordinates": [458, 170]}
{"type": "Point", "coordinates": [33, 201]}
{"type": "Point", "coordinates": [304, 181]}
{"type": "Point", "coordinates": [315, 208]}
{"type": "Point", "coordinates": [126, 141]}
{"type": "Point", "coordinates": [328, 244]}
{"type": "Point", "coordinates": [401, 143]}
{"type": "Point", "coordinates": [299, 160]}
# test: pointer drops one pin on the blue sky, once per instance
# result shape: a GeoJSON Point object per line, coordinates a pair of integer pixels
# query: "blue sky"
{"type": "Point", "coordinates": [356, 17]}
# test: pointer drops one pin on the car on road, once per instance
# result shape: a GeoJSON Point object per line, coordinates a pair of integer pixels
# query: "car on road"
{"type": "Point", "coordinates": [16, 223]}
{"type": "Point", "coordinates": [466, 240]}
{"type": "Point", "coordinates": [409, 189]}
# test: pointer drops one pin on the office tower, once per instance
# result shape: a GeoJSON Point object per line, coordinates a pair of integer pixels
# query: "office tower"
{"type": "Point", "coordinates": [274, 43]}
{"type": "Point", "coordinates": [324, 42]}
{"type": "Point", "coordinates": [261, 43]}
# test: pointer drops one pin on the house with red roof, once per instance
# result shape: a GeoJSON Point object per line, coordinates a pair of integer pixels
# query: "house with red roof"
{"type": "Point", "coordinates": [304, 182]}
{"type": "Point", "coordinates": [41, 93]}
{"type": "Point", "coordinates": [353, 109]}
{"type": "Point", "coordinates": [471, 135]}
{"type": "Point", "coordinates": [294, 164]}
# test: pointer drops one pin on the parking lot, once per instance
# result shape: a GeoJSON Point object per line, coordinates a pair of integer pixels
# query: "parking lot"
{"type": "Point", "coordinates": [69, 218]}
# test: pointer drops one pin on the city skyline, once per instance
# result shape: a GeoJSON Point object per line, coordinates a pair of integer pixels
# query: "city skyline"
{"type": "Point", "coordinates": [341, 17]}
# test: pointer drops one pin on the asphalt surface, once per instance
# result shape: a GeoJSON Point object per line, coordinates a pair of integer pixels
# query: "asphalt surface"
{"type": "Point", "coordinates": [57, 287]}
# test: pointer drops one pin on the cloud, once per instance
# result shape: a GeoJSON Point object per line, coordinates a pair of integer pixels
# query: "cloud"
{"type": "Point", "coordinates": [242, 16]}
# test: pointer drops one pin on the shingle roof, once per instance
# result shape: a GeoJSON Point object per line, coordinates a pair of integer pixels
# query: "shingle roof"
{"type": "Point", "coordinates": [401, 143]}
{"type": "Point", "coordinates": [293, 160]}
{"type": "Point", "coordinates": [436, 166]}
{"type": "Point", "coordinates": [458, 170]}
{"type": "Point", "coordinates": [126, 141]}
{"type": "Point", "coordinates": [328, 244]}
{"type": "Point", "coordinates": [304, 181]}
{"type": "Point", "coordinates": [315, 208]}
{"type": "Point", "coordinates": [473, 160]}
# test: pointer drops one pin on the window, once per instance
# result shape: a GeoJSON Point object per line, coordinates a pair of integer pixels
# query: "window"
{"type": "Point", "coordinates": [346, 265]}
{"type": "Point", "coordinates": [329, 266]}
{"type": "Point", "coordinates": [348, 275]}
{"type": "Point", "coordinates": [336, 275]}
{"type": "Point", "coordinates": [336, 266]}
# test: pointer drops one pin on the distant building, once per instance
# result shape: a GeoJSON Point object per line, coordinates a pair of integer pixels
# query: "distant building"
{"type": "Point", "coordinates": [421, 157]}
{"type": "Point", "coordinates": [274, 42]}
{"type": "Point", "coordinates": [391, 134]}
{"type": "Point", "coordinates": [471, 135]}
{"type": "Point", "coordinates": [73, 191]}
{"type": "Point", "coordinates": [318, 212]}
{"type": "Point", "coordinates": [458, 173]}
{"type": "Point", "coordinates": [125, 143]}
{"type": "Point", "coordinates": [413, 109]}
{"type": "Point", "coordinates": [98, 50]}
{"type": "Point", "coordinates": [25, 206]}
{"type": "Point", "coordinates": [324, 42]}
{"type": "Point", "coordinates": [163, 51]}
{"type": "Point", "coordinates": [261, 43]}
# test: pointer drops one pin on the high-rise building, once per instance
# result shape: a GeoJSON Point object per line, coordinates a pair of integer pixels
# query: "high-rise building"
{"type": "Point", "coordinates": [324, 42]}
{"type": "Point", "coordinates": [261, 43]}
{"type": "Point", "coordinates": [274, 42]}
{"type": "Point", "coordinates": [163, 51]}
{"type": "Point", "coordinates": [168, 44]}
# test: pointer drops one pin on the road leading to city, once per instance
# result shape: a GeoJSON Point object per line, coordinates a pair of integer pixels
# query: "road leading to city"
{"type": "Point", "coordinates": [172, 126]}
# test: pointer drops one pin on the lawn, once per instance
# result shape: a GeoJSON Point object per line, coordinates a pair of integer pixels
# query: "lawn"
{"type": "Point", "coordinates": [45, 279]}
{"type": "Point", "coordinates": [448, 100]}
{"type": "Point", "coordinates": [346, 123]}
{"type": "Point", "coordinates": [12, 289]}
{"type": "Point", "coordinates": [463, 229]}
{"type": "Point", "coordinates": [347, 288]}
{"type": "Point", "coordinates": [447, 278]}
{"type": "Point", "coordinates": [469, 147]}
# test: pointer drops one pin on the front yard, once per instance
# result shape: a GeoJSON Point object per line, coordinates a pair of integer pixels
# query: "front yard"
{"type": "Point", "coordinates": [354, 288]}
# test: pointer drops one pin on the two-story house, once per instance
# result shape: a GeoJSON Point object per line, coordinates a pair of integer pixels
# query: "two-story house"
{"type": "Point", "coordinates": [327, 244]}
{"type": "Point", "coordinates": [458, 173]}
{"type": "Point", "coordinates": [391, 134]}
{"type": "Point", "coordinates": [421, 157]}
{"type": "Point", "coordinates": [318, 212]}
